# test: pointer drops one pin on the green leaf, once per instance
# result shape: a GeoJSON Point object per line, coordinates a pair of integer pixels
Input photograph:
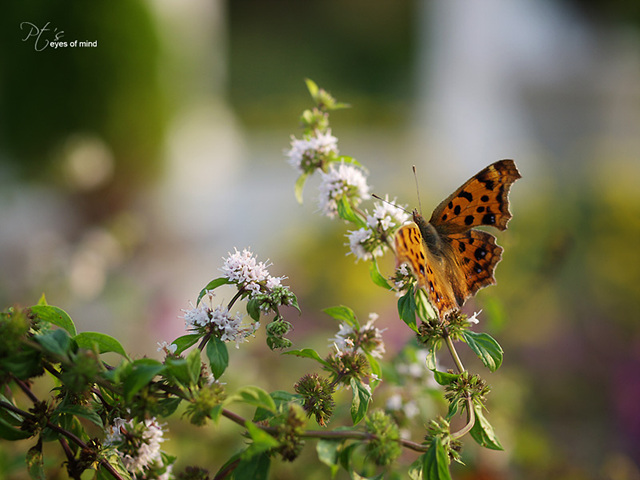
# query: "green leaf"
{"type": "Point", "coordinates": [140, 373]}
{"type": "Point", "coordinates": [104, 343]}
{"type": "Point", "coordinates": [445, 378]}
{"type": "Point", "coordinates": [435, 464]}
{"type": "Point", "coordinates": [299, 187]}
{"type": "Point", "coordinates": [350, 160]}
{"type": "Point", "coordinates": [55, 341]}
{"type": "Point", "coordinates": [308, 353]}
{"type": "Point", "coordinates": [343, 314]}
{"type": "Point", "coordinates": [253, 309]}
{"type": "Point", "coordinates": [56, 316]}
{"type": "Point", "coordinates": [194, 365]}
{"type": "Point", "coordinates": [415, 469]}
{"type": "Point", "coordinates": [255, 396]}
{"type": "Point", "coordinates": [376, 370]}
{"type": "Point", "coordinates": [485, 347]}
{"type": "Point", "coordinates": [81, 411]}
{"type": "Point", "coordinates": [168, 406]}
{"type": "Point", "coordinates": [177, 370]}
{"type": "Point", "coordinates": [280, 399]}
{"type": "Point", "coordinates": [312, 87]}
{"type": "Point", "coordinates": [424, 309]}
{"type": "Point", "coordinates": [407, 309]}
{"type": "Point", "coordinates": [185, 342]}
{"type": "Point", "coordinates": [345, 211]}
{"type": "Point", "coordinates": [254, 468]}
{"type": "Point", "coordinates": [35, 462]}
{"type": "Point", "coordinates": [9, 432]}
{"type": "Point", "coordinates": [482, 431]}
{"type": "Point", "coordinates": [212, 285]}
{"type": "Point", "coordinates": [262, 441]}
{"type": "Point", "coordinates": [376, 276]}
{"type": "Point", "coordinates": [327, 451]}
{"type": "Point", "coordinates": [360, 401]}
{"type": "Point", "coordinates": [218, 356]}
{"type": "Point", "coordinates": [432, 360]}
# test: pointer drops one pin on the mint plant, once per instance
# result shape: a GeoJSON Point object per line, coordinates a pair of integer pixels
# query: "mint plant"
{"type": "Point", "coordinates": [109, 419]}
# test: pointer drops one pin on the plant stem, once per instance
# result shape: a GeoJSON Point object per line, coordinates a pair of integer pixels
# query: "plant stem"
{"type": "Point", "coordinates": [454, 353]}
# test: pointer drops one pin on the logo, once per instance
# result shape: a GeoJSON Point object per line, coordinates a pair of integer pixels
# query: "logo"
{"type": "Point", "coordinates": [49, 37]}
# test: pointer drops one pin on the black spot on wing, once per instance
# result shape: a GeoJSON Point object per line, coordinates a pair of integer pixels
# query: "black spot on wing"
{"type": "Point", "coordinates": [467, 195]}
{"type": "Point", "coordinates": [468, 220]}
{"type": "Point", "coordinates": [480, 253]}
{"type": "Point", "coordinates": [489, 219]}
{"type": "Point", "coordinates": [490, 184]}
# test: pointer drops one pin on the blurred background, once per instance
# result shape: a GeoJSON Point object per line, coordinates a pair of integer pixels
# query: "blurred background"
{"type": "Point", "coordinates": [131, 165]}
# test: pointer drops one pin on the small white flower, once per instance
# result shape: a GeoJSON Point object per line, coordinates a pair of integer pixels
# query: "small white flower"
{"type": "Point", "coordinates": [411, 409]}
{"type": "Point", "coordinates": [474, 318]}
{"type": "Point", "coordinates": [196, 316]}
{"type": "Point", "coordinates": [374, 335]}
{"type": "Point", "coordinates": [244, 269]}
{"type": "Point", "coordinates": [139, 455]}
{"type": "Point", "coordinates": [338, 182]}
{"type": "Point", "coordinates": [309, 152]}
{"type": "Point", "coordinates": [357, 241]}
{"type": "Point", "coordinates": [167, 348]}
{"type": "Point", "coordinates": [386, 215]}
{"type": "Point", "coordinates": [394, 402]}
{"type": "Point", "coordinates": [342, 340]}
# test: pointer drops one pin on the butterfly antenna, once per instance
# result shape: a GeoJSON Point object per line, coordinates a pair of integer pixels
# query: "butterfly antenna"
{"type": "Point", "coordinates": [415, 177]}
{"type": "Point", "coordinates": [390, 203]}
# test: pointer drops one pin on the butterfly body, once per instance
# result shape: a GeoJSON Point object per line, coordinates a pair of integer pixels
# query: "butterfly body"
{"type": "Point", "coordinates": [450, 259]}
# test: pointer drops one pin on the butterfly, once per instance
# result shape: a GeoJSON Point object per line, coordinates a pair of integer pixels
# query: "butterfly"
{"type": "Point", "coordinates": [450, 259]}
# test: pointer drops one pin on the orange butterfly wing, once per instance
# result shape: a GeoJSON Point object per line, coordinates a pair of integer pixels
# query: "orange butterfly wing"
{"type": "Point", "coordinates": [450, 259]}
{"type": "Point", "coordinates": [482, 200]}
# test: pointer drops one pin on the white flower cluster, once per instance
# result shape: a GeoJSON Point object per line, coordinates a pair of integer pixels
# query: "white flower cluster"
{"type": "Point", "coordinates": [307, 154]}
{"type": "Point", "coordinates": [396, 403]}
{"type": "Point", "coordinates": [368, 336]}
{"type": "Point", "coordinates": [244, 269]}
{"type": "Point", "coordinates": [341, 180]}
{"type": "Point", "coordinates": [367, 242]}
{"type": "Point", "coordinates": [141, 454]}
{"type": "Point", "coordinates": [229, 327]}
